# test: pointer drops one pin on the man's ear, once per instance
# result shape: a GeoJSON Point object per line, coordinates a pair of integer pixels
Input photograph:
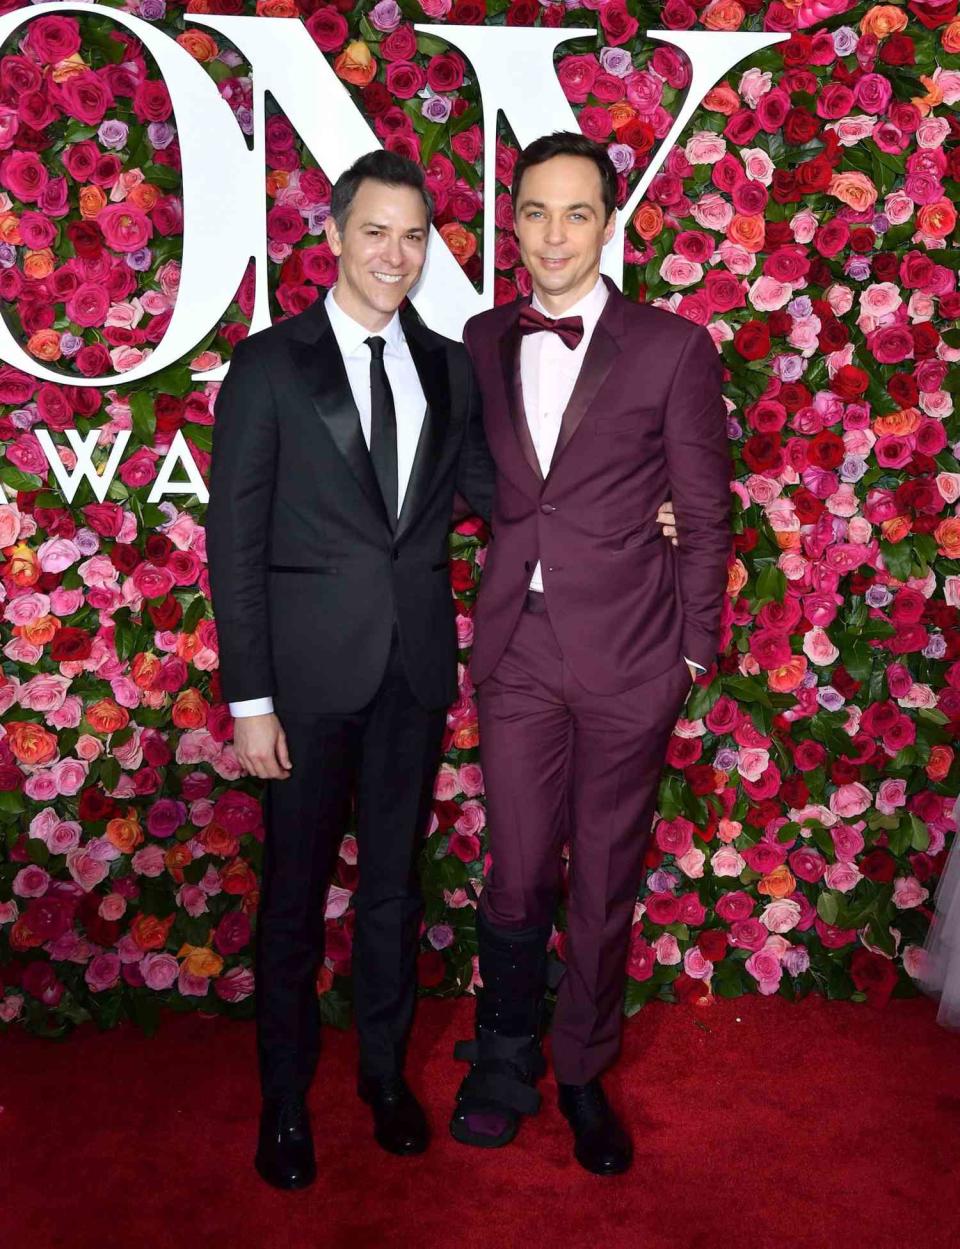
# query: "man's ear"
{"type": "Point", "coordinates": [610, 227]}
{"type": "Point", "coordinates": [333, 236]}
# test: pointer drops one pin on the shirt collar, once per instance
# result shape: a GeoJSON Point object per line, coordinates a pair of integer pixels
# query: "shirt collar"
{"type": "Point", "coordinates": [589, 307]}
{"type": "Point", "coordinates": [351, 335]}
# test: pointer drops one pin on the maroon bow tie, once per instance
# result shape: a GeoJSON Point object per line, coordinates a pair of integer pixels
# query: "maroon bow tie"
{"type": "Point", "coordinates": [568, 329]}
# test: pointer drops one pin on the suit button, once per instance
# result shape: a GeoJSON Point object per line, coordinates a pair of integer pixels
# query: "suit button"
{"type": "Point", "coordinates": [547, 508]}
{"type": "Point", "coordinates": [527, 566]}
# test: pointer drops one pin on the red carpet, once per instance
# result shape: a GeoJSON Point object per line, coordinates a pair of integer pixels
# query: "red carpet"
{"type": "Point", "coordinates": [758, 1125]}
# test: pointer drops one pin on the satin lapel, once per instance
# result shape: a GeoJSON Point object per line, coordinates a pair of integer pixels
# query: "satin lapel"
{"type": "Point", "coordinates": [430, 361]}
{"type": "Point", "coordinates": [513, 388]}
{"type": "Point", "coordinates": [601, 356]}
{"type": "Point", "coordinates": [322, 365]}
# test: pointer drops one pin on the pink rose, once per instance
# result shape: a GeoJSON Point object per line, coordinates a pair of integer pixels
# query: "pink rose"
{"type": "Point", "coordinates": [237, 984]}
{"type": "Point", "coordinates": [86, 870]}
{"type": "Point", "coordinates": [69, 775]}
{"type": "Point", "coordinates": [891, 795]}
{"type": "Point", "coordinates": [159, 970]}
{"type": "Point", "coordinates": [471, 779]}
{"type": "Point", "coordinates": [908, 893]}
{"type": "Point", "coordinates": [63, 837]}
{"type": "Point", "coordinates": [103, 972]}
{"type": "Point", "coordinates": [842, 876]}
{"type": "Point", "coordinates": [850, 800]}
{"type": "Point", "coordinates": [766, 969]}
{"type": "Point", "coordinates": [696, 965]}
{"type": "Point", "coordinates": [781, 915]}
{"type": "Point", "coordinates": [31, 882]}
{"type": "Point", "coordinates": [675, 836]}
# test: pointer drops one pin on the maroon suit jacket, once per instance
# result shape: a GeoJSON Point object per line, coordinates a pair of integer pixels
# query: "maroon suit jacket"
{"type": "Point", "coordinates": [646, 420]}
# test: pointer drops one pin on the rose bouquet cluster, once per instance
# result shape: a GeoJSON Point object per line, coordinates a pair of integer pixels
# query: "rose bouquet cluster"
{"type": "Point", "coordinates": [806, 218]}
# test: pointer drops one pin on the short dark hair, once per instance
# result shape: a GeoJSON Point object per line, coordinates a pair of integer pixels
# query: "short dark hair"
{"type": "Point", "coordinates": [381, 166]}
{"type": "Point", "coordinates": [568, 143]}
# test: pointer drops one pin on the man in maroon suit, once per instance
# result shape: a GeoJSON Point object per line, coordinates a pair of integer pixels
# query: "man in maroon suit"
{"type": "Point", "coordinates": [590, 628]}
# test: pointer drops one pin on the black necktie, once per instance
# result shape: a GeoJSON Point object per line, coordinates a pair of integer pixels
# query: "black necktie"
{"type": "Point", "coordinates": [383, 429]}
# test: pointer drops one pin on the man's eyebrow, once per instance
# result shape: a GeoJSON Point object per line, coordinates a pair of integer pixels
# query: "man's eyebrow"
{"type": "Point", "coordinates": [535, 203]}
{"type": "Point", "coordinates": [377, 225]}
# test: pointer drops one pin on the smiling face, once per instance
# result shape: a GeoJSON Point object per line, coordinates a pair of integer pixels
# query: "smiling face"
{"type": "Point", "coordinates": [561, 226]}
{"type": "Point", "coordinates": [382, 249]}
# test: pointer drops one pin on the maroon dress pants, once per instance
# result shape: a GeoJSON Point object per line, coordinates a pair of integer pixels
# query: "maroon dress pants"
{"type": "Point", "coordinates": [563, 764]}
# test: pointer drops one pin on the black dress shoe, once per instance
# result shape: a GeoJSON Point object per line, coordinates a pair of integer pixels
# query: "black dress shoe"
{"type": "Point", "coordinates": [399, 1124]}
{"type": "Point", "coordinates": [600, 1143]}
{"type": "Point", "coordinates": [285, 1147]}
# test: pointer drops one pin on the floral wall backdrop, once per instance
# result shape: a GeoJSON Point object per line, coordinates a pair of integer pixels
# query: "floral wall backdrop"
{"type": "Point", "coordinates": [806, 218]}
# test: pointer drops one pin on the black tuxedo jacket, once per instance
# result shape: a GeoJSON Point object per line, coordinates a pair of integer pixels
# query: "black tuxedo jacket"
{"type": "Point", "coordinates": [306, 575]}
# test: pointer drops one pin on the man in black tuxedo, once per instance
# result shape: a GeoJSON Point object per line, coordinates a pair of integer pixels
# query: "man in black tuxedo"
{"type": "Point", "coordinates": [342, 435]}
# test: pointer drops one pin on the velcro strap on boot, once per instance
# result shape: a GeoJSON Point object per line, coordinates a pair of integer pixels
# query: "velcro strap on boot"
{"type": "Point", "coordinates": [501, 1089]}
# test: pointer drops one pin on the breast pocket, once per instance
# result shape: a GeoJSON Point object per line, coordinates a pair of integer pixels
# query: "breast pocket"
{"type": "Point", "coordinates": [636, 421]}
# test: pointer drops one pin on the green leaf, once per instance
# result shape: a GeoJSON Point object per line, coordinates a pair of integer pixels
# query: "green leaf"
{"type": "Point", "coordinates": [194, 613]}
{"type": "Point", "coordinates": [771, 583]}
{"type": "Point", "coordinates": [828, 906]}
{"type": "Point", "coordinates": [898, 558]}
{"type": "Point", "coordinates": [919, 833]}
{"type": "Point", "coordinates": [144, 417]}
{"type": "Point", "coordinates": [16, 479]}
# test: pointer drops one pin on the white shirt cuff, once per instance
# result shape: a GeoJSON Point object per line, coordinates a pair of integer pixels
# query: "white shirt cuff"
{"type": "Point", "coordinates": [251, 707]}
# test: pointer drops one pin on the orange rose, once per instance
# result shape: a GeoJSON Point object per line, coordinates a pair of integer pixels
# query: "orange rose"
{"type": "Point", "coordinates": [187, 646]}
{"type": "Point", "coordinates": [106, 716]}
{"type": "Point", "coordinates": [779, 883]}
{"type": "Point", "coordinates": [621, 113]}
{"type": "Point", "coordinates": [736, 578]}
{"type": "Point", "coordinates": [883, 20]}
{"type": "Point", "coordinates": [356, 64]}
{"type": "Point", "coordinates": [277, 8]}
{"type": "Point", "coordinates": [277, 179]}
{"type": "Point", "coordinates": [150, 932]}
{"type": "Point", "coordinates": [939, 763]}
{"type": "Point", "coordinates": [125, 834]}
{"type": "Point", "coordinates": [787, 540]}
{"type": "Point", "coordinates": [200, 960]}
{"type": "Point", "coordinates": [39, 632]}
{"type": "Point", "coordinates": [236, 877]}
{"type": "Point", "coordinates": [937, 219]}
{"type": "Point", "coordinates": [947, 534]}
{"type": "Point", "coordinates": [201, 46]}
{"type": "Point", "coordinates": [216, 840]}
{"type": "Point", "coordinates": [38, 265]}
{"type": "Point", "coordinates": [22, 568]}
{"type": "Point", "coordinates": [250, 902]}
{"type": "Point", "coordinates": [68, 67]}
{"type": "Point", "coordinates": [951, 37]}
{"type": "Point", "coordinates": [895, 529]}
{"type": "Point", "coordinates": [92, 200]}
{"type": "Point", "coordinates": [853, 188]}
{"type": "Point", "coordinates": [190, 710]}
{"type": "Point", "coordinates": [901, 423]}
{"type": "Point", "coordinates": [10, 229]}
{"type": "Point", "coordinates": [933, 97]}
{"type": "Point", "coordinates": [723, 15]}
{"type": "Point", "coordinates": [788, 678]}
{"type": "Point", "coordinates": [145, 670]}
{"type": "Point", "coordinates": [458, 238]}
{"type": "Point", "coordinates": [749, 232]}
{"type": "Point", "coordinates": [144, 196]}
{"type": "Point", "coordinates": [31, 743]}
{"type": "Point", "coordinates": [22, 937]}
{"type": "Point", "coordinates": [722, 99]}
{"type": "Point", "coordinates": [44, 345]}
{"type": "Point", "coordinates": [648, 221]}
{"type": "Point", "coordinates": [467, 738]}
{"type": "Point", "coordinates": [176, 859]}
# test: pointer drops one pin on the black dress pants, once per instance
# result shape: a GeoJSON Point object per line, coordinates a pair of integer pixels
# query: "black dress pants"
{"type": "Point", "coordinates": [384, 757]}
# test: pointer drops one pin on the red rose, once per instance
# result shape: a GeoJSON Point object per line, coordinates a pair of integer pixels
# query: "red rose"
{"type": "Point", "coordinates": [796, 50]}
{"type": "Point", "coordinates": [167, 613]}
{"type": "Point", "coordinates": [124, 557]}
{"type": "Point", "coordinates": [741, 127]}
{"type": "Point", "coordinates": [700, 778]}
{"type": "Point", "coordinates": [468, 13]}
{"type": "Point", "coordinates": [850, 383]}
{"type": "Point", "coordinates": [70, 643]}
{"type": "Point", "coordinates": [800, 126]}
{"type": "Point", "coordinates": [873, 974]}
{"type": "Point", "coordinates": [445, 71]}
{"type": "Point", "coordinates": [878, 865]}
{"type": "Point", "coordinates": [95, 805]}
{"type": "Point", "coordinates": [328, 29]}
{"type": "Point", "coordinates": [712, 944]}
{"type": "Point", "coordinates": [898, 49]}
{"type": "Point", "coordinates": [763, 453]}
{"type": "Point", "coordinates": [826, 450]}
{"type": "Point", "coordinates": [752, 340]}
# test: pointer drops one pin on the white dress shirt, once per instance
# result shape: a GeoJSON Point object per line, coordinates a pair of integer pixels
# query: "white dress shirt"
{"type": "Point", "coordinates": [408, 400]}
{"type": "Point", "coordinates": [548, 374]}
